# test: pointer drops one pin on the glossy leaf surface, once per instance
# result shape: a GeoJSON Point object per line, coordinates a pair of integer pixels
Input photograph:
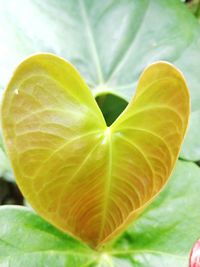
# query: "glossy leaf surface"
{"type": "Point", "coordinates": [82, 176]}
{"type": "Point", "coordinates": [162, 237]}
{"type": "Point", "coordinates": [109, 41]}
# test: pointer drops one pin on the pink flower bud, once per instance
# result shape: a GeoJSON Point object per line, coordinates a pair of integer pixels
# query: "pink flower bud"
{"type": "Point", "coordinates": [195, 255]}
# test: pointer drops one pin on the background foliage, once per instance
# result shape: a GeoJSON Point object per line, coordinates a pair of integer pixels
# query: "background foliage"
{"type": "Point", "coordinates": [110, 42]}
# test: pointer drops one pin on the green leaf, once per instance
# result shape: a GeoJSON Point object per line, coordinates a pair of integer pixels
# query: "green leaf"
{"type": "Point", "coordinates": [109, 41]}
{"type": "Point", "coordinates": [82, 176]}
{"type": "Point", "coordinates": [111, 106]}
{"type": "Point", "coordinates": [194, 6]}
{"type": "Point", "coordinates": [191, 146]}
{"type": "Point", "coordinates": [27, 240]}
{"type": "Point", "coordinates": [162, 236]}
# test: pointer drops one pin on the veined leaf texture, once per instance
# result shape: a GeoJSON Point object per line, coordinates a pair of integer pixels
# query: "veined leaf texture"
{"type": "Point", "coordinates": [85, 178]}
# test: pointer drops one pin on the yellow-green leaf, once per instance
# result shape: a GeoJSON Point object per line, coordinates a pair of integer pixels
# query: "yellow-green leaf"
{"type": "Point", "coordinates": [86, 178]}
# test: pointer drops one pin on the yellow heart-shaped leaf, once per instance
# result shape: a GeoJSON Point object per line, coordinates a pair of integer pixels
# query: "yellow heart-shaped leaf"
{"type": "Point", "coordinates": [86, 178]}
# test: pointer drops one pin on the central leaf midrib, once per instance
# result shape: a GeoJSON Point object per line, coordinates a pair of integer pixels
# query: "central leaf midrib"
{"type": "Point", "coordinates": [108, 180]}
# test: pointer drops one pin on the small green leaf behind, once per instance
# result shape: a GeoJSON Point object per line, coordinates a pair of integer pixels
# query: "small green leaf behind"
{"type": "Point", "coordinates": [111, 106]}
